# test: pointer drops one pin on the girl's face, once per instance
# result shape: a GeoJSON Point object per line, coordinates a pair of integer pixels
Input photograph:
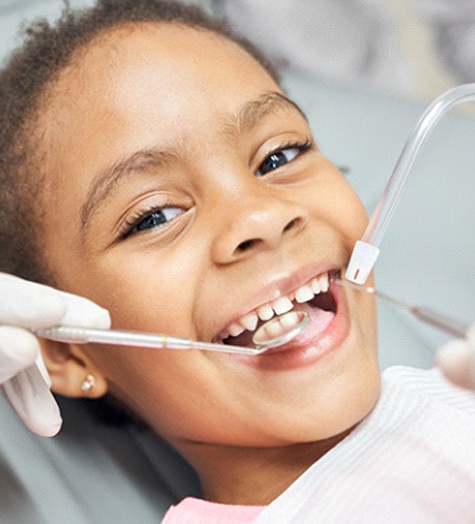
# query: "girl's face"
{"type": "Point", "coordinates": [186, 196]}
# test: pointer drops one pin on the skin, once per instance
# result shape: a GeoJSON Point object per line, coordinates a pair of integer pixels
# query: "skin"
{"type": "Point", "coordinates": [249, 427]}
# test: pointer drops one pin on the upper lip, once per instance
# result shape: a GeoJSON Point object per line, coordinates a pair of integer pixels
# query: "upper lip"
{"type": "Point", "coordinates": [278, 288]}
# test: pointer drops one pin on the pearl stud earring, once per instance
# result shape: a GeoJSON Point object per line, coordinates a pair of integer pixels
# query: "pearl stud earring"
{"type": "Point", "coordinates": [88, 384]}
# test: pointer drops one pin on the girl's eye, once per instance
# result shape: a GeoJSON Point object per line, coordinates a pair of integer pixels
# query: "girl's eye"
{"type": "Point", "coordinates": [282, 156]}
{"type": "Point", "coordinates": [151, 219]}
{"type": "Point", "coordinates": [277, 159]}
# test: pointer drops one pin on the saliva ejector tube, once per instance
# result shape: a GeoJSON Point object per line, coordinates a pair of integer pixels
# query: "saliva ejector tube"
{"type": "Point", "coordinates": [366, 250]}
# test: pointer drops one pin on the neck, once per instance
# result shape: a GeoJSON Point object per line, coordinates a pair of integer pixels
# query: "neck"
{"type": "Point", "coordinates": [252, 476]}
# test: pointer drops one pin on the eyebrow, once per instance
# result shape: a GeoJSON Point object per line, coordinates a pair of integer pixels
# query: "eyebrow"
{"type": "Point", "coordinates": [247, 118]}
{"type": "Point", "coordinates": [255, 110]}
{"type": "Point", "coordinates": [109, 177]}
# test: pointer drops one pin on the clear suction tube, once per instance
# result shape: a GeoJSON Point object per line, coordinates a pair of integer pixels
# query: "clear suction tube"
{"type": "Point", "coordinates": [366, 250]}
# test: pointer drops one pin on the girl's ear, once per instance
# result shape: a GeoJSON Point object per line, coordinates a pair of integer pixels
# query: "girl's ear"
{"type": "Point", "coordinates": [72, 372]}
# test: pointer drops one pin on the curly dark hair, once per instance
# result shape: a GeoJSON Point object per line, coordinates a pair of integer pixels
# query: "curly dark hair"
{"type": "Point", "coordinates": [47, 50]}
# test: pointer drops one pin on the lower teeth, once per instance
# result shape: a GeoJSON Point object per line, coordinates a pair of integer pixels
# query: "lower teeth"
{"type": "Point", "coordinates": [280, 329]}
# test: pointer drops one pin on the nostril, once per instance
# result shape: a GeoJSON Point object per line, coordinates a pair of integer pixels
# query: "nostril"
{"type": "Point", "coordinates": [243, 246]}
{"type": "Point", "coordinates": [293, 223]}
{"type": "Point", "coordinates": [247, 244]}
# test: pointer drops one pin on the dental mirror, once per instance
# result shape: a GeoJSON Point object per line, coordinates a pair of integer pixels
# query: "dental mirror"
{"type": "Point", "coordinates": [275, 332]}
{"type": "Point", "coordinates": [280, 329]}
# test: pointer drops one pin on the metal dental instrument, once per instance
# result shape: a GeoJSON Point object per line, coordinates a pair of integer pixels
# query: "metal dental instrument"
{"type": "Point", "coordinates": [280, 329]}
{"type": "Point", "coordinates": [291, 324]}
{"type": "Point", "coordinates": [366, 250]}
{"type": "Point", "coordinates": [427, 315]}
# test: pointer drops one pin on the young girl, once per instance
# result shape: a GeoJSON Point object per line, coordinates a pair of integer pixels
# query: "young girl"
{"type": "Point", "coordinates": [155, 166]}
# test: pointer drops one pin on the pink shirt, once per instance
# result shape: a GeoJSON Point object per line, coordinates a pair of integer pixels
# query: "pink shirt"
{"type": "Point", "coordinates": [197, 511]}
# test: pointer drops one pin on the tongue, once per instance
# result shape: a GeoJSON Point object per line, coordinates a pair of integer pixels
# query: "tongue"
{"type": "Point", "coordinates": [319, 321]}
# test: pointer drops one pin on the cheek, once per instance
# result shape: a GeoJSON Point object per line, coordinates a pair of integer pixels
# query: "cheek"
{"type": "Point", "coordinates": [144, 298]}
{"type": "Point", "coordinates": [333, 201]}
{"type": "Point", "coordinates": [347, 210]}
{"type": "Point", "coordinates": [145, 380]}
{"type": "Point", "coordinates": [176, 393]}
{"type": "Point", "coordinates": [144, 289]}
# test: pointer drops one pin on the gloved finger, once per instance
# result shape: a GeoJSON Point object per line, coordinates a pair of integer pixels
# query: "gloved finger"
{"type": "Point", "coordinates": [456, 359]}
{"type": "Point", "coordinates": [18, 350]}
{"type": "Point", "coordinates": [83, 312]}
{"type": "Point", "coordinates": [28, 304]}
{"type": "Point", "coordinates": [33, 305]}
{"type": "Point", "coordinates": [470, 335]}
{"type": "Point", "coordinates": [30, 397]}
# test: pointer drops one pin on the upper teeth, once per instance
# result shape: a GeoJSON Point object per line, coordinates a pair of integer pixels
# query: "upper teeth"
{"type": "Point", "coordinates": [278, 306]}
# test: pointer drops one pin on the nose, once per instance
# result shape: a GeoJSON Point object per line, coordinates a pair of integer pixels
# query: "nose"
{"type": "Point", "coordinates": [256, 221]}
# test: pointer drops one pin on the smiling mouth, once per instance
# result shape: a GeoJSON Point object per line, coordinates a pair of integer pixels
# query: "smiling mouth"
{"type": "Point", "coordinates": [313, 295]}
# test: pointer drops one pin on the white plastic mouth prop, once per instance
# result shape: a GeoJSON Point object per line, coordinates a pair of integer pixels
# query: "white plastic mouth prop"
{"type": "Point", "coordinates": [366, 250]}
{"type": "Point", "coordinates": [277, 331]}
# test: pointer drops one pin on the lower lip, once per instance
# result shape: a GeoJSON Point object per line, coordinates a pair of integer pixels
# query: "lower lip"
{"type": "Point", "coordinates": [304, 350]}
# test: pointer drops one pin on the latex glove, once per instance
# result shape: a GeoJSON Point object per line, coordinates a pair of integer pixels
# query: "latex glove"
{"type": "Point", "coordinates": [456, 359]}
{"type": "Point", "coordinates": [23, 378]}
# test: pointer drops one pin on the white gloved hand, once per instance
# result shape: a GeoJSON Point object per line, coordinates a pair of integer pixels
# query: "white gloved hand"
{"type": "Point", "coordinates": [456, 359]}
{"type": "Point", "coordinates": [23, 378]}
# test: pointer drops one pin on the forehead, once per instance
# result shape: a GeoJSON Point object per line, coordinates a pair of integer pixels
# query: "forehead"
{"type": "Point", "coordinates": [138, 74]}
{"type": "Point", "coordinates": [132, 59]}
